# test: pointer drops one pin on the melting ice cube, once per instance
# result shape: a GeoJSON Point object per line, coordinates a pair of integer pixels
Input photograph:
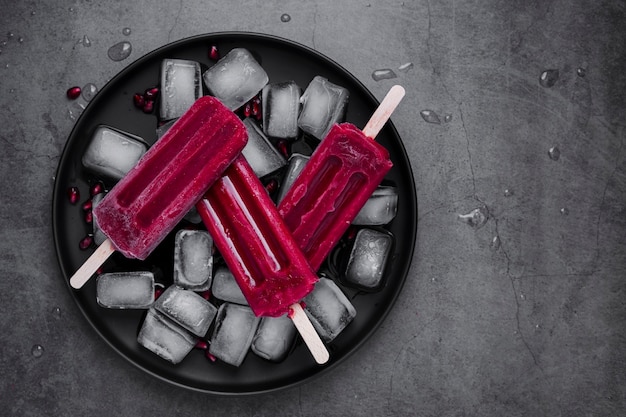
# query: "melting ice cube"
{"type": "Point", "coordinates": [296, 165]}
{"type": "Point", "coordinates": [162, 336]}
{"type": "Point", "coordinates": [180, 87]}
{"type": "Point", "coordinates": [262, 156]}
{"type": "Point", "coordinates": [368, 258]}
{"type": "Point", "coordinates": [225, 287]}
{"type": "Point", "coordinates": [281, 107]}
{"type": "Point", "coordinates": [329, 309]}
{"type": "Point", "coordinates": [187, 309]}
{"type": "Point", "coordinates": [235, 78]}
{"type": "Point", "coordinates": [112, 152]}
{"type": "Point", "coordinates": [235, 326]}
{"type": "Point", "coordinates": [193, 259]}
{"type": "Point", "coordinates": [323, 104]}
{"type": "Point", "coordinates": [125, 290]}
{"type": "Point", "coordinates": [380, 208]}
{"type": "Point", "coordinates": [274, 337]}
{"type": "Point", "coordinates": [98, 234]}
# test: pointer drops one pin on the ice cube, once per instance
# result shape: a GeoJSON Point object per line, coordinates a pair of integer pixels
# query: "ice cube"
{"type": "Point", "coordinates": [296, 164]}
{"type": "Point", "coordinates": [235, 326]}
{"type": "Point", "coordinates": [133, 290]}
{"type": "Point", "coordinates": [235, 78]}
{"type": "Point", "coordinates": [180, 87]}
{"type": "Point", "coordinates": [162, 336]}
{"type": "Point", "coordinates": [323, 104]}
{"type": "Point", "coordinates": [329, 309]}
{"type": "Point", "coordinates": [281, 107]}
{"type": "Point", "coordinates": [112, 152]}
{"type": "Point", "coordinates": [193, 259]}
{"type": "Point", "coordinates": [274, 337]}
{"type": "Point", "coordinates": [262, 156]}
{"type": "Point", "coordinates": [98, 234]}
{"type": "Point", "coordinates": [368, 258]}
{"type": "Point", "coordinates": [187, 309]}
{"type": "Point", "coordinates": [380, 208]}
{"type": "Point", "coordinates": [225, 287]}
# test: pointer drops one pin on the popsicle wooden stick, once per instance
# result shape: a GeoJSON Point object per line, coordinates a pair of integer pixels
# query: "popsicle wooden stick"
{"type": "Point", "coordinates": [383, 112]}
{"type": "Point", "coordinates": [308, 333]}
{"type": "Point", "coordinates": [91, 265]}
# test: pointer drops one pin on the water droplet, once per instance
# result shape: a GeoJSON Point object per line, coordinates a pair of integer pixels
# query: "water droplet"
{"type": "Point", "coordinates": [33, 13]}
{"type": "Point", "coordinates": [495, 243]}
{"type": "Point", "coordinates": [554, 153]}
{"type": "Point", "coordinates": [508, 192]}
{"type": "Point", "coordinates": [3, 43]}
{"type": "Point", "coordinates": [383, 74]}
{"type": "Point", "coordinates": [126, 31]}
{"type": "Point", "coordinates": [285, 18]}
{"type": "Point", "coordinates": [71, 9]}
{"type": "Point", "coordinates": [89, 91]}
{"type": "Point", "coordinates": [56, 311]}
{"type": "Point", "coordinates": [405, 67]}
{"type": "Point", "coordinates": [86, 41]}
{"type": "Point", "coordinates": [549, 77]}
{"type": "Point", "coordinates": [120, 51]}
{"type": "Point", "coordinates": [476, 218]}
{"type": "Point", "coordinates": [430, 116]}
{"type": "Point", "coordinates": [20, 39]}
{"type": "Point", "coordinates": [581, 72]}
{"type": "Point", "coordinates": [12, 90]}
{"type": "Point", "coordinates": [447, 118]}
{"type": "Point", "coordinates": [75, 110]}
{"type": "Point", "coordinates": [564, 211]}
{"type": "Point", "coordinates": [522, 296]}
{"type": "Point", "coordinates": [37, 351]}
{"type": "Point", "coordinates": [10, 35]}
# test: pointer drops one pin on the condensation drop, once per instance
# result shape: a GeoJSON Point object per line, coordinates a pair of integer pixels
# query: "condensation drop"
{"type": "Point", "coordinates": [508, 192]}
{"type": "Point", "coordinates": [549, 77]}
{"type": "Point", "coordinates": [447, 118]}
{"type": "Point", "coordinates": [86, 41]}
{"type": "Point", "coordinates": [430, 116]}
{"type": "Point", "coordinates": [554, 153]}
{"type": "Point", "coordinates": [581, 72]}
{"type": "Point", "coordinates": [89, 91]}
{"type": "Point", "coordinates": [476, 218]}
{"type": "Point", "coordinates": [10, 35]}
{"type": "Point", "coordinates": [37, 351]}
{"type": "Point", "coordinates": [120, 51]}
{"type": "Point", "coordinates": [383, 74]}
{"type": "Point", "coordinates": [285, 18]}
{"type": "Point", "coordinates": [20, 39]}
{"type": "Point", "coordinates": [56, 311]}
{"type": "Point", "coordinates": [564, 211]}
{"type": "Point", "coordinates": [495, 243]}
{"type": "Point", "coordinates": [405, 67]}
{"type": "Point", "coordinates": [75, 109]}
{"type": "Point", "coordinates": [126, 31]}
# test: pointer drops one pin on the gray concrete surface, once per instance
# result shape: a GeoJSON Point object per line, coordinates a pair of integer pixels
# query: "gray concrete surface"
{"type": "Point", "coordinates": [534, 326]}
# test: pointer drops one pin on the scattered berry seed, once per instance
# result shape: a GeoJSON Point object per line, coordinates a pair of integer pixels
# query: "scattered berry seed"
{"type": "Point", "coordinates": [89, 217]}
{"type": "Point", "coordinates": [73, 194]}
{"type": "Point", "coordinates": [214, 53]}
{"type": "Point", "coordinates": [73, 93]}
{"type": "Point", "coordinates": [87, 205]}
{"type": "Point", "coordinates": [85, 242]}
{"type": "Point", "coordinates": [151, 93]}
{"type": "Point", "coordinates": [96, 189]}
{"type": "Point", "coordinates": [202, 344]}
{"type": "Point", "coordinates": [148, 106]}
{"type": "Point", "coordinates": [138, 100]}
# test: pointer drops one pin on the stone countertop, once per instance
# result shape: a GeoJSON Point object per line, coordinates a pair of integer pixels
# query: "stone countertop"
{"type": "Point", "coordinates": [522, 316]}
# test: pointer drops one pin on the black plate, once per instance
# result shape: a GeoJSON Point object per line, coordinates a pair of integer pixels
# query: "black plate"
{"type": "Point", "coordinates": [282, 60]}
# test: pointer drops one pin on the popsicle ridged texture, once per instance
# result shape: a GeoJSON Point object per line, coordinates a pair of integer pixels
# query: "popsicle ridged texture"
{"type": "Point", "coordinates": [171, 177]}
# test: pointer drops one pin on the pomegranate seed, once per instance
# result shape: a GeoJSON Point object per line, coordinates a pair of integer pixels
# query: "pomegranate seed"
{"type": "Point", "coordinates": [201, 344]}
{"type": "Point", "coordinates": [256, 107]}
{"type": "Point", "coordinates": [214, 53]}
{"type": "Point", "coordinates": [206, 294]}
{"type": "Point", "coordinates": [247, 110]}
{"type": "Point", "coordinates": [99, 271]}
{"type": "Point", "coordinates": [271, 186]}
{"type": "Point", "coordinates": [151, 93]}
{"type": "Point", "coordinates": [157, 292]}
{"type": "Point", "coordinates": [85, 242]}
{"type": "Point", "coordinates": [89, 217]}
{"type": "Point", "coordinates": [96, 189]}
{"type": "Point", "coordinates": [282, 147]}
{"type": "Point", "coordinates": [73, 93]}
{"type": "Point", "coordinates": [138, 100]}
{"type": "Point", "coordinates": [209, 356]}
{"type": "Point", "coordinates": [148, 106]}
{"type": "Point", "coordinates": [73, 194]}
{"type": "Point", "coordinates": [351, 233]}
{"type": "Point", "coordinates": [87, 205]}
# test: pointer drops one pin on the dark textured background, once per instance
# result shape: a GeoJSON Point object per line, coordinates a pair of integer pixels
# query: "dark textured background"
{"type": "Point", "coordinates": [533, 327]}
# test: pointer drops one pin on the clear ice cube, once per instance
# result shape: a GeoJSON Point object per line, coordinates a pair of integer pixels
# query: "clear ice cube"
{"type": "Point", "coordinates": [165, 338]}
{"type": "Point", "coordinates": [235, 78]}
{"type": "Point", "coordinates": [187, 309]}
{"type": "Point", "coordinates": [125, 290]}
{"type": "Point", "coordinates": [368, 258]}
{"type": "Point", "coordinates": [296, 165]}
{"type": "Point", "coordinates": [235, 326]}
{"type": "Point", "coordinates": [329, 309]}
{"type": "Point", "coordinates": [281, 107]}
{"type": "Point", "coordinates": [262, 156]}
{"type": "Point", "coordinates": [113, 153]}
{"type": "Point", "coordinates": [98, 235]}
{"type": "Point", "coordinates": [380, 208]}
{"type": "Point", "coordinates": [180, 87]}
{"type": "Point", "coordinates": [225, 287]}
{"type": "Point", "coordinates": [193, 259]}
{"type": "Point", "coordinates": [274, 337]}
{"type": "Point", "coordinates": [323, 104]}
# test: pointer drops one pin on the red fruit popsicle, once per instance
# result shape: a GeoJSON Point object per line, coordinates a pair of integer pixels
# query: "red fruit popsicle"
{"type": "Point", "coordinates": [168, 180]}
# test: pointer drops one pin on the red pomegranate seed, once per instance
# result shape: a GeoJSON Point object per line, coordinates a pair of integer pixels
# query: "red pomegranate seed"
{"type": "Point", "coordinates": [157, 292]}
{"type": "Point", "coordinates": [96, 189]}
{"type": "Point", "coordinates": [247, 110]}
{"type": "Point", "coordinates": [138, 100]}
{"type": "Point", "coordinates": [210, 356]}
{"type": "Point", "coordinates": [201, 344]}
{"type": "Point", "coordinates": [271, 186]}
{"type": "Point", "coordinates": [99, 271]}
{"type": "Point", "coordinates": [89, 217]}
{"type": "Point", "coordinates": [87, 205]}
{"type": "Point", "coordinates": [283, 148]}
{"type": "Point", "coordinates": [206, 294]}
{"type": "Point", "coordinates": [256, 107]}
{"type": "Point", "coordinates": [148, 106]}
{"type": "Point", "coordinates": [214, 53]}
{"type": "Point", "coordinates": [85, 242]}
{"type": "Point", "coordinates": [351, 233]}
{"type": "Point", "coordinates": [73, 93]}
{"type": "Point", "coordinates": [73, 194]}
{"type": "Point", "coordinates": [151, 93]}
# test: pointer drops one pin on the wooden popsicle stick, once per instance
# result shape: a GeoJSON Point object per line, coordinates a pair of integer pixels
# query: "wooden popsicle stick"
{"type": "Point", "coordinates": [91, 265]}
{"type": "Point", "coordinates": [308, 333]}
{"type": "Point", "coordinates": [383, 112]}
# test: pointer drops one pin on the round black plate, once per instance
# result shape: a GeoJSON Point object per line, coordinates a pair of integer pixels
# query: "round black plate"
{"type": "Point", "coordinates": [283, 60]}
